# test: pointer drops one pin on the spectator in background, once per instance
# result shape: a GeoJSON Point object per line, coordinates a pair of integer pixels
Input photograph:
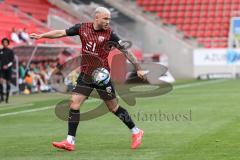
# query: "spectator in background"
{"type": "Point", "coordinates": [33, 67]}
{"type": "Point", "coordinates": [44, 74]}
{"type": "Point", "coordinates": [6, 64]}
{"type": "Point", "coordinates": [15, 36]}
{"type": "Point", "coordinates": [22, 72]}
{"type": "Point", "coordinates": [28, 80]}
{"type": "Point", "coordinates": [23, 35]}
{"type": "Point", "coordinates": [38, 83]}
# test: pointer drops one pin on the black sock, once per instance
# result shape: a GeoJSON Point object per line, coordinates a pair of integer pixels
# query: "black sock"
{"type": "Point", "coordinates": [1, 92]}
{"type": "Point", "coordinates": [73, 121]}
{"type": "Point", "coordinates": [8, 90]}
{"type": "Point", "coordinates": [122, 114]}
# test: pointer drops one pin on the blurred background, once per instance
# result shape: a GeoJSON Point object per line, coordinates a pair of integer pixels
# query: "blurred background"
{"type": "Point", "coordinates": [195, 39]}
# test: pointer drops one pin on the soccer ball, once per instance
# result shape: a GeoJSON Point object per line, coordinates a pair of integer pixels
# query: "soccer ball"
{"type": "Point", "coordinates": [100, 76]}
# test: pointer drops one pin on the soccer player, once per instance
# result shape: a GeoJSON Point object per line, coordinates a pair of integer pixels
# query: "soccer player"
{"type": "Point", "coordinates": [6, 63]}
{"type": "Point", "coordinates": [94, 36]}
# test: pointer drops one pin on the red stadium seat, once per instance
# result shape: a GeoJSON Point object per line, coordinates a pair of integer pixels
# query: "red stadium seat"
{"type": "Point", "coordinates": [197, 18]}
{"type": "Point", "coordinates": [10, 20]}
{"type": "Point", "coordinates": [37, 8]}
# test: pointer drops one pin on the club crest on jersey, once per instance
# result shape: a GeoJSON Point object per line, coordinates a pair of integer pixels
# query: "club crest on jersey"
{"type": "Point", "coordinates": [100, 38]}
{"type": "Point", "coordinates": [109, 89]}
{"type": "Point", "coordinates": [84, 34]}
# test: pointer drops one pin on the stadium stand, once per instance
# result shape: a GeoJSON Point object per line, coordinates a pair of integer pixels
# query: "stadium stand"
{"type": "Point", "coordinates": [207, 21]}
{"type": "Point", "coordinates": [14, 18]}
{"type": "Point", "coordinates": [36, 8]}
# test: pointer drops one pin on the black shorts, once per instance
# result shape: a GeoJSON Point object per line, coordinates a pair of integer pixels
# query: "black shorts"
{"type": "Point", "coordinates": [6, 74]}
{"type": "Point", "coordinates": [85, 86]}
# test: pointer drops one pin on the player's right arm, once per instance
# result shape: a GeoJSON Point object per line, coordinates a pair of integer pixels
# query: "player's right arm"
{"type": "Point", "coordinates": [51, 35]}
{"type": "Point", "coordinates": [72, 31]}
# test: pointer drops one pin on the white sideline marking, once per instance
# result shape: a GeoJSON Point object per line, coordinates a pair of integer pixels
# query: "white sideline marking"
{"type": "Point", "coordinates": [95, 100]}
{"type": "Point", "coordinates": [198, 84]}
{"type": "Point", "coordinates": [20, 106]}
{"type": "Point", "coordinates": [37, 109]}
{"type": "Point", "coordinates": [26, 111]}
{"type": "Point", "coordinates": [10, 104]}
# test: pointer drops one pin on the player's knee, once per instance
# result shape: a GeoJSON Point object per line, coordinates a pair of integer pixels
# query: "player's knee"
{"type": "Point", "coordinates": [113, 108]}
{"type": "Point", "coordinates": [75, 105]}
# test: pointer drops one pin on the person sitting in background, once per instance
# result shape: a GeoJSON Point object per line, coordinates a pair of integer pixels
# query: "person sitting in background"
{"type": "Point", "coordinates": [15, 36]}
{"type": "Point", "coordinates": [23, 35]}
{"type": "Point", "coordinates": [44, 73]}
{"type": "Point", "coordinates": [28, 83]}
{"type": "Point", "coordinates": [38, 83]}
{"type": "Point", "coordinates": [22, 72]}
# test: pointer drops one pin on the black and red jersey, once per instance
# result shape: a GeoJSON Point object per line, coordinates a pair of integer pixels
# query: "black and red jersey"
{"type": "Point", "coordinates": [95, 44]}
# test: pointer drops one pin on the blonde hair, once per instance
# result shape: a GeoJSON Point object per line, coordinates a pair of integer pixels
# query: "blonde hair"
{"type": "Point", "coordinates": [102, 10]}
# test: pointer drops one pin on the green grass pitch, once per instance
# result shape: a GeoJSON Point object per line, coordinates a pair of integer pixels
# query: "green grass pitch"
{"type": "Point", "coordinates": [207, 127]}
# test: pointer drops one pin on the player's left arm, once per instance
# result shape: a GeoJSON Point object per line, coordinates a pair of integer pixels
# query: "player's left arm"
{"type": "Point", "coordinates": [132, 58]}
{"type": "Point", "coordinates": [128, 54]}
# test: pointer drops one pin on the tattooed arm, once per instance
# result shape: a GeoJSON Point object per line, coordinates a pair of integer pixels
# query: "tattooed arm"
{"type": "Point", "coordinates": [120, 45]}
{"type": "Point", "coordinates": [131, 57]}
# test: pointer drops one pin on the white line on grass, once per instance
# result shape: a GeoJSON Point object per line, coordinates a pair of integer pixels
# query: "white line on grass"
{"type": "Point", "coordinates": [198, 84]}
{"type": "Point", "coordinates": [37, 109]}
{"type": "Point", "coordinates": [26, 111]}
{"type": "Point", "coordinates": [20, 106]}
{"type": "Point", "coordinates": [96, 100]}
{"type": "Point", "coordinates": [11, 104]}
